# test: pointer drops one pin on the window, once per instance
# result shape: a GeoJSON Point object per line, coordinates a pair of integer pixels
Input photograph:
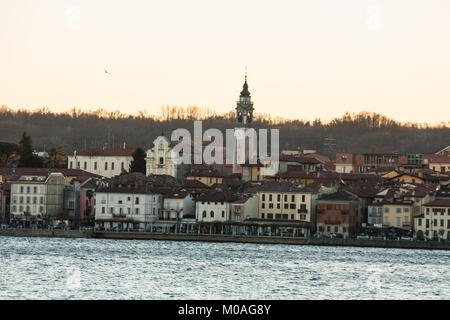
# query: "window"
{"type": "Point", "coordinates": [293, 198]}
{"type": "Point", "coordinates": [137, 200]}
{"type": "Point", "coordinates": [103, 209]}
{"type": "Point", "coordinates": [95, 165]}
{"type": "Point", "coordinates": [41, 200]}
{"type": "Point", "coordinates": [223, 214]}
{"type": "Point", "coordinates": [34, 189]}
{"type": "Point", "coordinates": [106, 165]}
{"type": "Point", "coordinates": [28, 199]}
{"type": "Point", "coordinates": [292, 217]}
{"type": "Point", "coordinates": [34, 200]}
{"type": "Point", "coordinates": [78, 165]}
{"type": "Point", "coordinates": [28, 190]}
{"type": "Point", "coordinates": [279, 198]}
{"type": "Point", "coordinates": [21, 189]}
{"type": "Point", "coordinates": [204, 214]}
{"type": "Point", "coordinates": [41, 209]}
{"type": "Point", "coordinates": [270, 197]}
{"type": "Point", "coordinates": [278, 206]}
{"type": "Point", "coordinates": [286, 206]}
{"type": "Point", "coordinates": [398, 222]}
{"type": "Point", "coordinates": [303, 198]}
{"type": "Point", "coordinates": [292, 206]}
{"type": "Point", "coordinates": [14, 200]}
{"type": "Point", "coordinates": [111, 210]}
{"type": "Point", "coordinates": [344, 229]}
{"type": "Point", "coordinates": [263, 205]}
{"type": "Point", "coordinates": [85, 165]}
{"type": "Point", "coordinates": [285, 197]}
{"type": "Point", "coordinates": [122, 166]}
{"type": "Point", "coordinates": [161, 160]}
{"type": "Point", "coordinates": [21, 199]}
{"type": "Point", "coordinates": [20, 208]}
{"type": "Point", "coordinates": [263, 197]}
{"type": "Point", "coordinates": [262, 216]}
{"type": "Point", "coordinates": [399, 210]}
{"type": "Point", "coordinates": [112, 165]}
{"type": "Point", "coordinates": [15, 209]}
{"type": "Point", "coordinates": [419, 222]}
{"type": "Point", "coordinates": [211, 214]}
{"type": "Point", "coordinates": [71, 165]}
{"type": "Point", "coordinates": [137, 210]}
{"type": "Point", "coordinates": [386, 210]}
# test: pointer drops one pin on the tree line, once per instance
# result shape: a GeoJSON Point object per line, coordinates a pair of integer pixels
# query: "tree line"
{"type": "Point", "coordinates": [75, 129]}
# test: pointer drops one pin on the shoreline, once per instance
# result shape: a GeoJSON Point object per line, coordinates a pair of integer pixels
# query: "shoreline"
{"type": "Point", "coordinates": [399, 244]}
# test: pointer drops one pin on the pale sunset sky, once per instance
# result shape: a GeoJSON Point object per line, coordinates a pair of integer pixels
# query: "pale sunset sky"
{"type": "Point", "coordinates": [305, 59]}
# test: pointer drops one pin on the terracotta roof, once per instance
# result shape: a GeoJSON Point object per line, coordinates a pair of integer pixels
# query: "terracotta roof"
{"type": "Point", "coordinates": [45, 171]}
{"type": "Point", "coordinates": [106, 152]}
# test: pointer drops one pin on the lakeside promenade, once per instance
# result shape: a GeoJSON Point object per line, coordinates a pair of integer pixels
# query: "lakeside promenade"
{"type": "Point", "coordinates": [123, 235]}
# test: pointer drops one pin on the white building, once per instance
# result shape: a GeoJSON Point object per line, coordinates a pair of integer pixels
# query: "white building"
{"type": "Point", "coordinates": [177, 205]}
{"type": "Point", "coordinates": [214, 207]}
{"type": "Point", "coordinates": [125, 208]}
{"type": "Point", "coordinates": [434, 222]}
{"type": "Point", "coordinates": [106, 163]}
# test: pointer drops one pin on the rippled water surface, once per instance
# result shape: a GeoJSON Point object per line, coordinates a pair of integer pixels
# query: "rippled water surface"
{"type": "Point", "coordinates": [50, 268]}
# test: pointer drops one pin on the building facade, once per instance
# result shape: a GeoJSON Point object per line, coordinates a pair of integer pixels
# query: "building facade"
{"type": "Point", "coordinates": [126, 208]}
{"type": "Point", "coordinates": [104, 162]}
{"type": "Point", "coordinates": [35, 199]}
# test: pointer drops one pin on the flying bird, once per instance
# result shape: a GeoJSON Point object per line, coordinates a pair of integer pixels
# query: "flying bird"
{"type": "Point", "coordinates": [107, 72]}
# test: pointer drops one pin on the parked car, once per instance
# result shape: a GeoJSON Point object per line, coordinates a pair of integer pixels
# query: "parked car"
{"type": "Point", "coordinates": [363, 236]}
{"type": "Point", "coordinates": [406, 238]}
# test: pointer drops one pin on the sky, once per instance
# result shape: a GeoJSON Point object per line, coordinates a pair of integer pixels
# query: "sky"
{"type": "Point", "coordinates": [305, 59]}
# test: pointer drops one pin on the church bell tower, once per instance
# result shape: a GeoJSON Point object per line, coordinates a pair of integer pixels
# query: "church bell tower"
{"type": "Point", "coordinates": [244, 108]}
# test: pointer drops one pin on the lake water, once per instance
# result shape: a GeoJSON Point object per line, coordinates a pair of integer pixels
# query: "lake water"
{"type": "Point", "coordinates": [51, 268]}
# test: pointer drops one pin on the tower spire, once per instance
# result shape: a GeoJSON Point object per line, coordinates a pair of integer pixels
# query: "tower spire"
{"type": "Point", "coordinates": [244, 108]}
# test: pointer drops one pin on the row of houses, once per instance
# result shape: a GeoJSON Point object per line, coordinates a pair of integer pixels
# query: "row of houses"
{"type": "Point", "coordinates": [333, 205]}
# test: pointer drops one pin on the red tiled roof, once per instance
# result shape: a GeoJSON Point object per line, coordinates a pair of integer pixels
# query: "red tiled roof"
{"type": "Point", "coordinates": [106, 152]}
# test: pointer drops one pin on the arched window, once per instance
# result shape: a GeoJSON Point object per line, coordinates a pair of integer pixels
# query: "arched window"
{"type": "Point", "coordinates": [204, 214]}
{"type": "Point", "coordinates": [223, 214]}
{"type": "Point", "coordinates": [212, 214]}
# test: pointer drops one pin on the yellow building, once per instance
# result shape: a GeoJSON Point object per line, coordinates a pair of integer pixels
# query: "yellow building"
{"type": "Point", "coordinates": [398, 214]}
{"type": "Point", "coordinates": [162, 160]}
{"type": "Point", "coordinates": [35, 198]}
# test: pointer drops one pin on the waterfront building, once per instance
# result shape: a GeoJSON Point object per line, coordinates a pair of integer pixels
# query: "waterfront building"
{"type": "Point", "coordinates": [338, 212]}
{"type": "Point", "coordinates": [214, 206]}
{"type": "Point", "coordinates": [5, 196]}
{"type": "Point", "coordinates": [434, 221]}
{"type": "Point", "coordinates": [35, 199]}
{"type": "Point", "coordinates": [244, 208]}
{"type": "Point", "coordinates": [104, 162]}
{"type": "Point", "coordinates": [122, 208]}
{"type": "Point", "coordinates": [177, 205]}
